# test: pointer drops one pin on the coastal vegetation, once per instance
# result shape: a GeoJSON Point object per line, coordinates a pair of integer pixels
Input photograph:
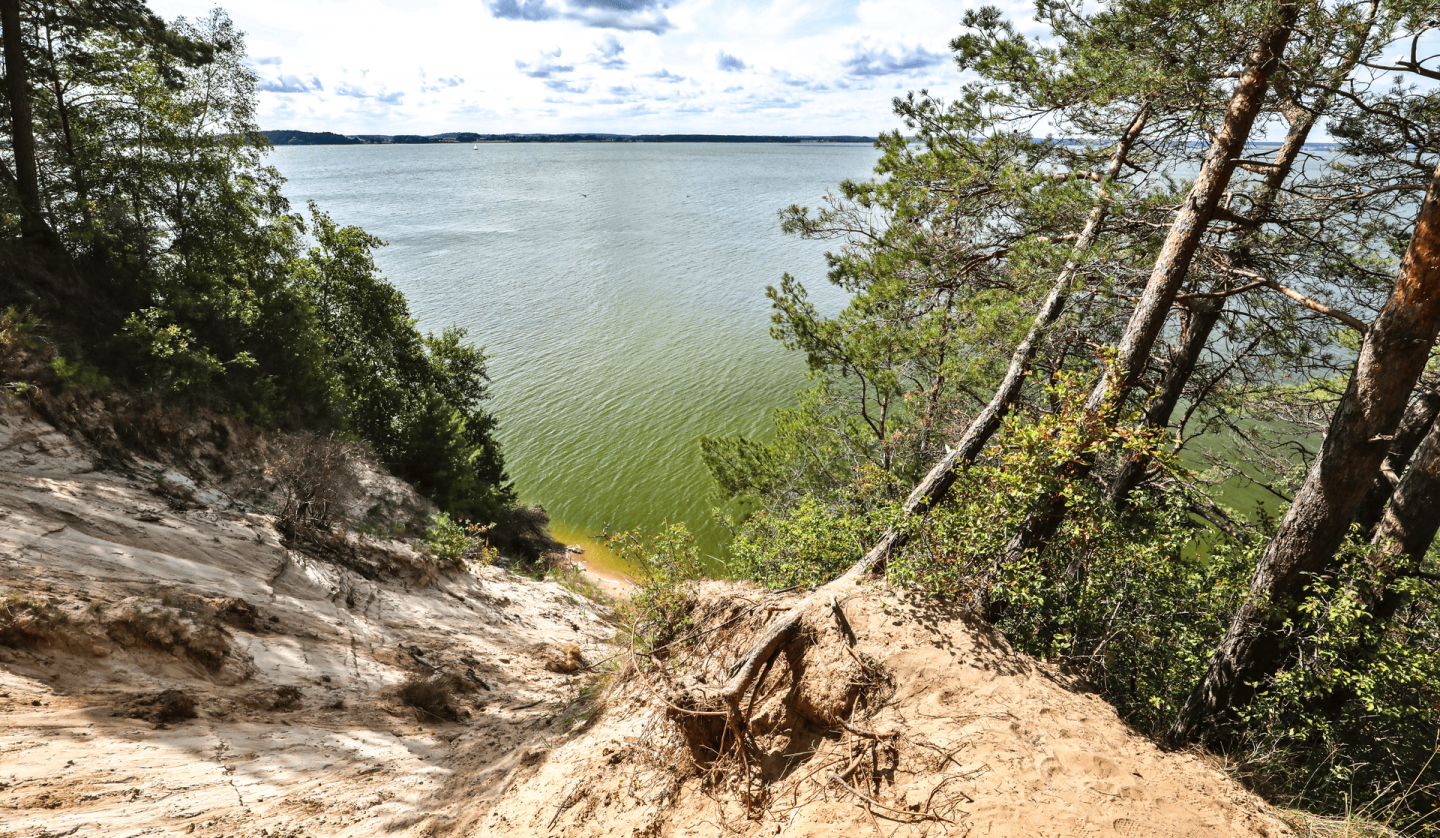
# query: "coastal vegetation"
{"type": "Point", "coordinates": [1061, 363]}
{"type": "Point", "coordinates": [141, 225]}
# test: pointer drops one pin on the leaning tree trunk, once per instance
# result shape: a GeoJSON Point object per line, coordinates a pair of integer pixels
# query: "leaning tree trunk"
{"type": "Point", "coordinates": [987, 421]}
{"type": "Point", "coordinates": [1406, 531]}
{"type": "Point", "coordinates": [1171, 266]}
{"type": "Point", "coordinates": [1419, 417]}
{"type": "Point", "coordinates": [1394, 354]}
{"type": "Point", "coordinates": [1206, 315]}
{"type": "Point", "coordinates": [1183, 240]}
{"type": "Point", "coordinates": [942, 476]}
{"type": "Point", "coordinates": [22, 131]}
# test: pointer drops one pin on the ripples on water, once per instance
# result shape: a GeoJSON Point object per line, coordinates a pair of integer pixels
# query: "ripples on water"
{"type": "Point", "coordinates": [618, 290]}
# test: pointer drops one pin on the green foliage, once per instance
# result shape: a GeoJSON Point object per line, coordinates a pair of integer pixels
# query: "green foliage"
{"type": "Point", "coordinates": [456, 543]}
{"type": "Point", "coordinates": [76, 372]}
{"type": "Point", "coordinates": [1116, 597]}
{"type": "Point", "coordinates": [658, 612]}
{"type": "Point", "coordinates": [1113, 596]}
{"type": "Point", "coordinates": [187, 275]}
{"type": "Point", "coordinates": [944, 258]}
{"type": "Point", "coordinates": [809, 544]}
{"type": "Point", "coordinates": [1358, 709]}
{"type": "Point", "coordinates": [417, 399]}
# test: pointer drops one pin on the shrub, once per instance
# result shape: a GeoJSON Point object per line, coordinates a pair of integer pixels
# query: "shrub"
{"type": "Point", "coordinates": [417, 399]}
{"type": "Point", "coordinates": [809, 544]}
{"type": "Point", "coordinates": [658, 612]}
{"type": "Point", "coordinates": [1355, 716]}
{"type": "Point", "coordinates": [456, 543]}
{"type": "Point", "coordinates": [313, 473]}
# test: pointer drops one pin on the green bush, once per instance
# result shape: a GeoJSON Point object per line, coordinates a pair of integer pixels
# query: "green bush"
{"type": "Point", "coordinates": [809, 544]}
{"type": "Point", "coordinates": [658, 612]}
{"type": "Point", "coordinates": [1355, 716]}
{"type": "Point", "coordinates": [455, 543]}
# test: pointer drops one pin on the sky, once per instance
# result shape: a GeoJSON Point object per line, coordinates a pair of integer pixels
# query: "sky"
{"type": "Point", "coordinates": [615, 66]}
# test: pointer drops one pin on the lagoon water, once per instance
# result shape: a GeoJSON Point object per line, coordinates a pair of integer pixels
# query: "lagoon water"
{"type": "Point", "coordinates": [618, 290]}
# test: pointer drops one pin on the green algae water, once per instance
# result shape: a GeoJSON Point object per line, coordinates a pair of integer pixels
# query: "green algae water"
{"type": "Point", "coordinates": [618, 289]}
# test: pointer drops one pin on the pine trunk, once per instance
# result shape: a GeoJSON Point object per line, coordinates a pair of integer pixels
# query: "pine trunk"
{"type": "Point", "coordinates": [1203, 317]}
{"type": "Point", "coordinates": [1181, 244]}
{"type": "Point", "coordinates": [1391, 360]}
{"type": "Point", "coordinates": [1183, 240]}
{"type": "Point", "coordinates": [1407, 529]}
{"type": "Point", "coordinates": [1203, 320]}
{"type": "Point", "coordinates": [1206, 313]}
{"type": "Point", "coordinates": [1419, 416]}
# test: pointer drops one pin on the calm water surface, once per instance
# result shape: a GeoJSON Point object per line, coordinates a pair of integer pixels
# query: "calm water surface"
{"type": "Point", "coordinates": [618, 290]}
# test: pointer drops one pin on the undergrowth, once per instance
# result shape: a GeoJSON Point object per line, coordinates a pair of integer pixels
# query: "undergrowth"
{"type": "Point", "coordinates": [458, 544]}
{"type": "Point", "coordinates": [1136, 602]}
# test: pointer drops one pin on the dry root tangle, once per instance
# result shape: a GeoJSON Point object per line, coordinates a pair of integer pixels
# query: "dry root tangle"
{"type": "Point", "coordinates": [802, 729]}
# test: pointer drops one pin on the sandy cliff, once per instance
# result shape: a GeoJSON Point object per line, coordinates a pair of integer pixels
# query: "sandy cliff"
{"type": "Point", "coordinates": [169, 667]}
{"type": "Point", "coordinates": [118, 600]}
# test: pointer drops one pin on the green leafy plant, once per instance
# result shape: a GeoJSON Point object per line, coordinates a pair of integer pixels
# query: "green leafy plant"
{"type": "Point", "coordinates": [658, 612]}
{"type": "Point", "coordinates": [458, 543]}
{"type": "Point", "coordinates": [808, 544]}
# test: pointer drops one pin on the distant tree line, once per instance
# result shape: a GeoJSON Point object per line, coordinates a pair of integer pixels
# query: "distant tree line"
{"type": "Point", "coordinates": [329, 138]}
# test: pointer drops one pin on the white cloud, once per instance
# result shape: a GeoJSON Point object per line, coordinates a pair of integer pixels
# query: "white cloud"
{"type": "Point", "coordinates": [545, 67]}
{"type": "Point", "coordinates": [636, 66]}
{"type": "Point", "coordinates": [608, 53]}
{"type": "Point", "coordinates": [866, 60]}
{"type": "Point", "coordinates": [289, 84]}
{"type": "Point", "coordinates": [630, 15]}
{"type": "Point", "coordinates": [728, 63]}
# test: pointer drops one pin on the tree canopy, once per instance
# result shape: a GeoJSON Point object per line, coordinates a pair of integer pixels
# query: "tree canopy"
{"type": "Point", "coordinates": [1066, 354]}
{"type": "Point", "coordinates": [139, 219]}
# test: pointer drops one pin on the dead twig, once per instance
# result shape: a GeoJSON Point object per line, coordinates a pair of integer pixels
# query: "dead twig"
{"type": "Point", "coordinates": [913, 817]}
{"type": "Point", "coordinates": [860, 731]}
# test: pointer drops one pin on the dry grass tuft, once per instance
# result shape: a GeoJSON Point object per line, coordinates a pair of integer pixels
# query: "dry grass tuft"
{"type": "Point", "coordinates": [433, 699]}
{"type": "Point", "coordinates": [160, 708]}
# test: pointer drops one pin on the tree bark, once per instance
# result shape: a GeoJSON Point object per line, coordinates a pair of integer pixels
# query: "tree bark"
{"type": "Point", "coordinates": [1391, 360]}
{"type": "Point", "coordinates": [62, 108]}
{"type": "Point", "coordinates": [1406, 531]}
{"type": "Point", "coordinates": [1204, 317]}
{"type": "Point", "coordinates": [1194, 215]}
{"type": "Point", "coordinates": [942, 475]}
{"type": "Point", "coordinates": [1419, 416]}
{"type": "Point", "coordinates": [22, 130]}
{"type": "Point", "coordinates": [1171, 266]}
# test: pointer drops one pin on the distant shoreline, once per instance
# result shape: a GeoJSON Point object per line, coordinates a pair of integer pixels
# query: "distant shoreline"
{"type": "Point", "coordinates": [282, 138]}
{"type": "Point", "coordinates": [290, 138]}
